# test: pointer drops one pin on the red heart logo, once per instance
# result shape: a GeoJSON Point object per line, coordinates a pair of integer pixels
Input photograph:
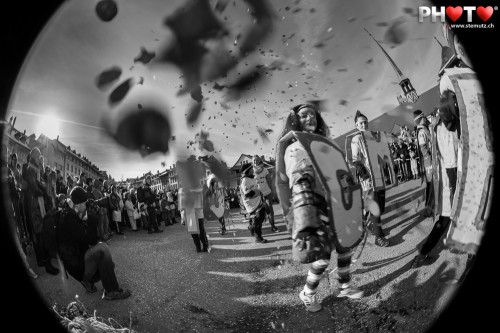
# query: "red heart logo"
{"type": "Point", "coordinates": [454, 13]}
{"type": "Point", "coordinates": [484, 13]}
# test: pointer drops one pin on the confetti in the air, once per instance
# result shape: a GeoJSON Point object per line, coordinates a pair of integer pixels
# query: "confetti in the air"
{"type": "Point", "coordinates": [106, 10]}
{"type": "Point", "coordinates": [145, 56]}
{"type": "Point", "coordinates": [108, 76]}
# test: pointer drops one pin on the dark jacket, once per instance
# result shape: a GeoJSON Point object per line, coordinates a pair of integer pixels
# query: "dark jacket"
{"type": "Point", "coordinates": [74, 238]}
{"type": "Point", "coordinates": [146, 195]}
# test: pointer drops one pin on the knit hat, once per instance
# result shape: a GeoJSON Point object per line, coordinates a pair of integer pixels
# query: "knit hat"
{"type": "Point", "coordinates": [299, 107]}
{"type": "Point", "coordinates": [359, 114]}
{"type": "Point", "coordinates": [417, 115]}
{"type": "Point", "coordinates": [78, 195]}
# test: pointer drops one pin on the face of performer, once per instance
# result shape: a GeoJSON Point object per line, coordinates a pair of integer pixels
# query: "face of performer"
{"type": "Point", "coordinates": [307, 118]}
{"type": "Point", "coordinates": [80, 209]}
{"type": "Point", "coordinates": [362, 124]}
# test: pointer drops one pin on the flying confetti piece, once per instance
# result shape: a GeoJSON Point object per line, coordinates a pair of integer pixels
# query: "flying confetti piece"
{"type": "Point", "coordinates": [262, 134]}
{"type": "Point", "coordinates": [139, 106]}
{"type": "Point", "coordinates": [145, 57]}
{"type": "Point", "coordinates": [407, 10]}
{"type": "Point", "coordinates": [141, 80]}
{"type": "Point", "coordinates": [261, 27]}
{"type": "Point", "coordinates": [147, 130]}
{"type": "Point", "coordinates": [108, 76]}
{"type": "Point", "coordinates": [351, 19]}
{"type": "Point", "coordinates": [343, 102]}
{"type": "Point", "coordinates": [193, 21]}
{"type": "Point", "coordinates": [194, 113]}
{"type": "Point", "coordinates": [196, 94]}
{"type": "Point", "coordinates": [119, 93]}
{"type": "Point", "coordinates": [397, 33]}
{"type": "Point", "coordinates": [218, 86]}
{"type": "Point", "coordinates": [382, 24]}
{"type": "Point", "coordinates": [106, 10]}
{"type": "Point", "coordinates": [221, 5]}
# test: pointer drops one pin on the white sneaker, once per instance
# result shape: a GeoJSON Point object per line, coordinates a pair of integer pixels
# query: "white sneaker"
{"type": "Point", "coordinates": [351, 292]}
{"type": "Point", "coordinates": [310, 302]}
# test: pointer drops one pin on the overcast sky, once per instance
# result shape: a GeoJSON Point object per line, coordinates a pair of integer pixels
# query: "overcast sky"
{"type": "Point", "coordinates": [321, 45]}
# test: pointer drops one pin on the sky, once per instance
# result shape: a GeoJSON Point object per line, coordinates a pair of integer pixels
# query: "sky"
{"type": "Point", "coordinates": [315, 50]}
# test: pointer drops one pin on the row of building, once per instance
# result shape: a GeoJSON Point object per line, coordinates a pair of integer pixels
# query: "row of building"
{"type": "Point", "coordinates": [168, 180]}
{"type": "Point", "coordinates": [56, 154]}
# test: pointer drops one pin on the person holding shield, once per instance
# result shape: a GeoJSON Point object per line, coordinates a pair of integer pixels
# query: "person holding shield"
{"type": "Point", "coordinates": [362, 165]}
{"type": "Point", "coordinates": [305, 206]}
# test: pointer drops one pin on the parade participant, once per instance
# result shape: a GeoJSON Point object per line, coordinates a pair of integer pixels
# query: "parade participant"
{"type": "Point", "coordinates": [445, 151]}
{"type": "Point", "coordinates": [425, 157]}
{"type": "Point", "coordinates": [130, 211]}
{"type": "Point", "coordinates": [191, 201]}
{"type": "Point", "coordinates": [146, 196]}
{"type": "Point", "coordinates": [414, 163]}
{"type": "Point", "coordinates": [116, 204]}
{"type": "Point", "coordinates": [264, 181]}
{"type": "Point", "coordinates": [35, 209]}
{"type": "Point", "coordinates": [361, 163]}
{"type": "Point", "coordinates": [103, 221]}
{"type": "Point", "coordinates": [172, 205]}
{"type": "Point", "coordinates": [253, 200]}
{"type": "Point", "coordinates": [305, 208]}
{"type": "Point", "coordinates": [165, 209]}
{"type": "Point", "coordinates": [215, 197]}
{"type": "Point", "coordinates": [84, 258]}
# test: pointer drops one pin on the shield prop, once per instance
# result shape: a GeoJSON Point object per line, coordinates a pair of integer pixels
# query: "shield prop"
{"type": "Point", "coordinates": [344, 200]}
{"type": "Point", "coordinates": [381, 165]}
{"type": "Point", "coordinates": [473, 195]}
{"type": "Point", "coordinates": [191, 202]}
{"type": "Point", "coordinates": [216, 206]}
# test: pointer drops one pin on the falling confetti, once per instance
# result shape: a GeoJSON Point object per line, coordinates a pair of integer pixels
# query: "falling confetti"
{"type": "Point", "coordinates": [106, 10]}
{"type": "Point", "coordinates": [194, 113]}
{"type": "Point", "coordinates": [119, 93]}
{"type": "Point", "coordinates": [261, 27]}
{"type": "Point", "coordinates": [145, 57]}
{"type": "Point", "coordinates": [397, 33]}
{"type": "Point", "coordinates": [221, 5]}
{"type": "Point", "coordinates": [108, 76]}
{"type": "Point", "coordinates": [147, 130]}
{"type": "Point", "coordinates": [343, 102]}
{"type": "Point", "coordinates": [196, 94]}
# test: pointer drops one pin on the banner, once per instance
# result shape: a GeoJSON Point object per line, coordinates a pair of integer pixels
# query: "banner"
{"type": "Point", "coordinates": [344, 199]}
{"type": "Point", "coordinates": [473, 196]}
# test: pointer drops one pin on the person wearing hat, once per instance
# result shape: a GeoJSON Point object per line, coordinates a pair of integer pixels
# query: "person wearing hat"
{"type": "Point", "coordinates": [213, 198]}
{"type": "Point", "coordinates": [424, 145]}
{"type": "Point", "coordinates": [305, 208]}
{"type": "Point", "coordinates": [253, 202]}
{"type": "Point", "coordinates": [362, 165]}
{"type": "Point", "coordinates": [146, 196]}
{"type": "Point", "coordinates": [263, 178]}
{"type": "Point", "coordinates": [84, 257]}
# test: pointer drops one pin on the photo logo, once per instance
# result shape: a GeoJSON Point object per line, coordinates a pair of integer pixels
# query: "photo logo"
{"type": "Point", "coordinates": [454, 13]}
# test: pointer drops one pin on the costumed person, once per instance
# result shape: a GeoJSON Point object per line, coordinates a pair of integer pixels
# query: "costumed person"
{"type": "Point", "coordinates": [165, 210]}
{"type": "Point", "coordinates": [445, 153]}
{"type": "Point", "coordinates": [146, 196]}
{"type": "Point", "coordinates": [305, 208]}
{"type": "Point", "coordinates": [116, 204]}
{"type": "Point", "coordinates": [253, 200]}
{"type": "Point", "coordinates": [215, 202]}
{"type": "Point", "coordinates": [84, 257]}
{"type": "Point", "coordinates": [362, 165]}
{"type": "Point", "coordinates": [425, 156]}
{"type": "Point", "coordinates": [129, 206]}
{"type": "Point", "coordinates": [191, 201]}
{"type": "Point", "coordinates": [171, 206]}
{"type": "Point", "coordinates": [35, 209]}
{"type": "Point", "coordinates": [264, 183]}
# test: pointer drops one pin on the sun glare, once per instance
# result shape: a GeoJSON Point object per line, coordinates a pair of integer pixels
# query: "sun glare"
{"type": "Point", "coordinates": [49, 126]}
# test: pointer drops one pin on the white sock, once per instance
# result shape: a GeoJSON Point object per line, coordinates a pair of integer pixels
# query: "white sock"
{"type": "Point", "coordinates": [308, 291]}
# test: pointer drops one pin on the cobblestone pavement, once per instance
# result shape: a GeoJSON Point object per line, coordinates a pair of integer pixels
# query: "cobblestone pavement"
{"type": "Point", "coordinates": [245, 287]}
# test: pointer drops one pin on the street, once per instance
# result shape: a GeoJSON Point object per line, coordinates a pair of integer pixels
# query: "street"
{"type": "Point", "coordinates": [245, 287]}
